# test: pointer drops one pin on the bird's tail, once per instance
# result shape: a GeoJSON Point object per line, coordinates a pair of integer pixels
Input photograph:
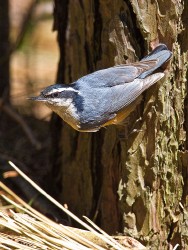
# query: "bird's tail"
{"type": "Point", "coordinates": [161, 53]}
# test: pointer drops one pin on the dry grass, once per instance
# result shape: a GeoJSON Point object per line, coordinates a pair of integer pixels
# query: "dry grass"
{"type": "Point", "coordinates": [29, 229]}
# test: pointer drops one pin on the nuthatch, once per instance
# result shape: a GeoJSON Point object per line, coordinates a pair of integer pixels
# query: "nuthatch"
{"type": "Point", "coordinates": [106, 96]}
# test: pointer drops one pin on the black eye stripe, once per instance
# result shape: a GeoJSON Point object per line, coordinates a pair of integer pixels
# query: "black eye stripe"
{"type": "Point", "coordinates": [53, 95]}
{"type": "Point", "coordinates": [67, 93]}
{"type": "Point", "coordinates": [56, 94]}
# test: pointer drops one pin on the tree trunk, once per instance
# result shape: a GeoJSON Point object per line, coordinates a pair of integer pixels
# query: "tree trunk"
{"type": "Point", "coordinates": [136, 184]}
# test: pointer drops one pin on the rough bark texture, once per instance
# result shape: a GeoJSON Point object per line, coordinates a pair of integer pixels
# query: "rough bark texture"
{"type": "Point", "coordinates": [138, 184]}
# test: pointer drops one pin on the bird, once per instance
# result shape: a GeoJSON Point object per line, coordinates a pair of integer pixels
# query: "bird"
{"type": "Point", "coordinates": [106, 96]}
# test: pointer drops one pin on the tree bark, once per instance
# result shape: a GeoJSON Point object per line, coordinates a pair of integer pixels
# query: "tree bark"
{"type": "Point", "coordinates": [136, 185]}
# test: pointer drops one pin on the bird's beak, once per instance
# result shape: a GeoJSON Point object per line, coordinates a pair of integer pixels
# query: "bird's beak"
{"type": "Point", "coordinates": [37, 98]}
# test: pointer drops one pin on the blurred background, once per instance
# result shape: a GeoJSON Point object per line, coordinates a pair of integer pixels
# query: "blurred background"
{"type": "Point", "coordinates": [33, 63]}
{"type": "Point", "coordinates": [28, 62]}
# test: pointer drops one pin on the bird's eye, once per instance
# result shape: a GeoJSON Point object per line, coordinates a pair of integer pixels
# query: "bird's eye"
{"type": "Point", "coordinates": [54, 95]}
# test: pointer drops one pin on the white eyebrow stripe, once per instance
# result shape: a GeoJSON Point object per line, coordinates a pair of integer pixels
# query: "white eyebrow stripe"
{"type": "Point", "coordinates": [63, 89]}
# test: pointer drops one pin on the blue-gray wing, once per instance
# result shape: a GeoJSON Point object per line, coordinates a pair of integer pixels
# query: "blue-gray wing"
{"type": "Point", "coordinates": [117, 75]}
{"type": "Point", "coordinates": [102, 105]}
{"type": "Point", "coordinates": [122, 74]}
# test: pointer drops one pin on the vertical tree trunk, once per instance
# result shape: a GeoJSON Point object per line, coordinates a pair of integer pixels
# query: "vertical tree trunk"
{"type": "Point", "coordinates": [138, 184]}
{"type": "Point", "coordinates": [4, 48]}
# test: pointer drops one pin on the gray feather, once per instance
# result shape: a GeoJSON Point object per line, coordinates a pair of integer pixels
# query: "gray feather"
{"type": "Point", "coordinates": [122, 74]}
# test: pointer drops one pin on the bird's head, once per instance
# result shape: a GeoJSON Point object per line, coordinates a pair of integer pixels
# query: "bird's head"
{"type": "Point", "coordinates": [65, 100]}
{"type": "Point", "coordinates": [57, 96]}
